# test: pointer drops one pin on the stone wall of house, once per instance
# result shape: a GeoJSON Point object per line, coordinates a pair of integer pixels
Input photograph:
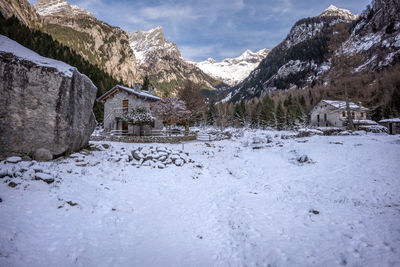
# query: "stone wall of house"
{"type": "Point", "coordinates": [113, 106]}
{"type": "Point", "coordinates": [334, 116]}
{"type": "Point", "coordinates": [43, 109]}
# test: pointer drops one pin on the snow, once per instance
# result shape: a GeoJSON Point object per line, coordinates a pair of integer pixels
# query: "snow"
{"type": "Point", "coordinates": [302, 32]}
{"type": "Point", "coordinates": [359, 68]}
{"type": "Point", "coordinates": [13, 159]}
{"type": "Point", "coordinates": [369, 122]}
{"type": "Point", "coordinates": [358, 44]}
{"type": "Point", "coordinates": [233, 70]}
{"type": "Point", "coordinates": [9, 46]}
{"type": "Point", "coordinates": [53, 7]}
{"type": "Point", "coordinates": [286, 204]}
{"type": "Point", "coordinates": [146, 44]}
{"type": "Point", "coordinates": [132, 91]}
{"type": "Point", "coordinates": [342, 104]}
{"type": "Point", "coordinates": [335, 11]}
{"type": "Point", "coordinates": [391, 120]}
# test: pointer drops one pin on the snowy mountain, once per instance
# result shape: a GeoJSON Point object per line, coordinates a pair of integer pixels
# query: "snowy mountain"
{"type": "Point", "coordinates": [333, 11]}
{"type": "Point", "coordinates": [376, 38]}
{"type": "Point", "coordinates": [94, 40]}
{"type": "Point", "coordinates": [59, 7]}
{"type": "Point", "coordinates": [146, 44]}
{"type": "Point", "coordinates": [298, 60]}
{"type": "Point", "coordinates": [233, 70]}
{"type": "Point", "coordinates": [162, 62]}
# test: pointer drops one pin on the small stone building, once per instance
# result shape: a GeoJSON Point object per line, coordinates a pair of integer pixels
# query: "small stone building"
{"type": "Point", "coordinates": [332, 113]}
{"type": "Point", "coordinates": [393, 125]}
{"type": "Point", "coordinates": [122, 100]}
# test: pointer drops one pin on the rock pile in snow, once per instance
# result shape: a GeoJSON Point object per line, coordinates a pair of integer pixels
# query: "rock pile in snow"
{"type": "Point", "coordinates": [159, 157]}
{"type": "Point", "coordinates": [13, 170]}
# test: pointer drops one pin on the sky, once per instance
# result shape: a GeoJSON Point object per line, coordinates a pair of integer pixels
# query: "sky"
{"type": "Point", "coordinates": [214, 28]}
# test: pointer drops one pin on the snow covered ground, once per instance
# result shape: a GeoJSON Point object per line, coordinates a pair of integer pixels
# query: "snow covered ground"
{"type": "Point", "coordinates": [315, 201]}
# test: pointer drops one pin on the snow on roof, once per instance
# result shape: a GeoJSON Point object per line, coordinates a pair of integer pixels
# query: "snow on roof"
{"type": "Point", "coordinates": [342, 104]}
{"type": "Point", "coordinates": [391, 120]}
{"type": "Point", "coordinates": [9, 46]}
{"type": "Point", "coordinates": [365, 122]}
{"type": "Point", "coordinates": [142, 94]}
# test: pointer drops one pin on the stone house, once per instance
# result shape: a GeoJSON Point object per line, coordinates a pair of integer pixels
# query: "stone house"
{"type": "Point", "coordinates": [393, 125]}
{"type": "Point", "coordinates": [332, 113]}
{"type": "Point", "coordinates": [122, 100]}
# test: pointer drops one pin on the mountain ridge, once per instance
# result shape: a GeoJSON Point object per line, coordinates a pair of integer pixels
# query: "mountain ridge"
{"type": "Point", "coordinates": [98, 42]}
{"type": "Point", "coordinates": [233, 70]}
{"type": "Point", "coordinates": [161, 61]}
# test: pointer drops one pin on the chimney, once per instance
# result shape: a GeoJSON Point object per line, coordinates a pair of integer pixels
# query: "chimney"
{"type": "Point", "coordinates": [137, 87]}
{"type": "Point", "coordinates": [151, 90]}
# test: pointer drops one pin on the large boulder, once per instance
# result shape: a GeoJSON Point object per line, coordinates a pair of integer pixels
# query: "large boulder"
{"type": "Point", "coordinates": [44, 103]}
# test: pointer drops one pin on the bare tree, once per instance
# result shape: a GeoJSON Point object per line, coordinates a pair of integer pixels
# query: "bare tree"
{"type": "Point", "coordinates": [170, 110]}
{"type": "Point", "coordinates": [194, 100]}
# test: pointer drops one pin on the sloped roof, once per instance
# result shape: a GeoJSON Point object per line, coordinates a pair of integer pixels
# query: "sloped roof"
{"type": "Point", "coordinates": [342, 105]}
{"type": "Point", "coordinates": [140, 94]}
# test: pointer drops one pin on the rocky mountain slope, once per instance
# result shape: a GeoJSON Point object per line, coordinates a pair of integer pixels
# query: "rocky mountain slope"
{"type": "Point", "coordinates": [376, 37]}
{"type": "Point", "coordinates": [233, 70]}
{"type": "Point", "coordinates": [22, 10]}
{"type": "Point", "coordinates": [298, 60]}
{"type": "Point", "coordinates": [161, 61]}
{"type": "Point", "coordinates": [327, 49]}
{"type": "Point", "coordinates": [101, 44]}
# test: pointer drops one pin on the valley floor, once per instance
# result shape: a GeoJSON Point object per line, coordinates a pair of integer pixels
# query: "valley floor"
{"type": "Point", "coordinates": [237, 204]}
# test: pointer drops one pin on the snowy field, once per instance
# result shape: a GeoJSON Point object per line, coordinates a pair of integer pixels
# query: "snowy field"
{"type": "Point", "coordinates": [315, 201]}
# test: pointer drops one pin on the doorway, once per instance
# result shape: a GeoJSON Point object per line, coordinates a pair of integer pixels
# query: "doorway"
{"type": "Point", "coordinates": [390, 128]}
{"type": "Point", "coordinates": [125, 127]}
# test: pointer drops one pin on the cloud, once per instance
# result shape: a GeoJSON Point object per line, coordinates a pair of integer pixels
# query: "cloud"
{"type": "Point", "coordinates": [213, 28]}
{"type": "Point", "coordinates": [195, 51]}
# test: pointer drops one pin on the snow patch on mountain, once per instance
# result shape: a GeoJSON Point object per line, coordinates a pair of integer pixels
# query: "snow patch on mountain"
{"type": "Point", "coordinates": [146, 43]}
{"type": "Point", "coordinates": [233, 70]}
{"type": "Point", "coordinates": [57, 7]}
{"type": "Point", "coordinates": [333, 11]}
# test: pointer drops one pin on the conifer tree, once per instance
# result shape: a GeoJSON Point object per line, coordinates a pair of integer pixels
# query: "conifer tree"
{"type": "Point", "coordinates": [280, 116]}
{"type": "Point", "coordinates": [211, 114]}
{"type": "Point", "coordinates": [299, 116]}
{"type": "Point", "coordinates": [239, 114]}
{"type": "Point", "coordinates": [146, 83]}
{"type": "Point", "coordinates": [289, 119]}
{"type": "Point", "coordinates": [255, 116]}
{"type": "Point", "coordinates": [267, 116]}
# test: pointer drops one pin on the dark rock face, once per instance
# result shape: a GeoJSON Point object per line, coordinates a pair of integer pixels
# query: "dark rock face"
{"type": "Point", "coordinates": [42, 108]}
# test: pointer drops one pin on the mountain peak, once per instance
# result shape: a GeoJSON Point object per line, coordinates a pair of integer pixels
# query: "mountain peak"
{"type": "Point", "coordinates": [334, 11]}
{"type": "Point", "coordinates": [146, 43]}
{"type": "Point", "coordinates": [332, 8]}
{"type": "Point", "coordinates": [58, 7]}
{"type": "Point", "coordinates": [233, 70]}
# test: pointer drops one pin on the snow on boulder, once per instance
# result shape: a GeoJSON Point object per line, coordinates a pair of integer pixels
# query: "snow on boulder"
{"type": "Point", "coordinates": [13, 159]}
{"type": "Point", "coordinates": [45, 103]}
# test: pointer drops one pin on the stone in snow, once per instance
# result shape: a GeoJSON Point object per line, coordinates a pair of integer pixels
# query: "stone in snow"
{"type": "Point", "coordinates": [13, 160]}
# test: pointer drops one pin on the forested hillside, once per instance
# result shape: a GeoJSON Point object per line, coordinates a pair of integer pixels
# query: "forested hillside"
{"type": "Point", "coordinates": [44, 45]}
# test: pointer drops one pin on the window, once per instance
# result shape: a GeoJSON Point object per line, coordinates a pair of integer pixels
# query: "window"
{"type": "Point", "coordinates": [344, 114]}
{"type": "Point", "coordinates": [362, 114]}
{"type": "Point", "coordinates": [352, 115]}
{"type": "Point", "coordinates": [325, 117]}
{"type": "Point", "coordinates": [125, 104]}
{"type": "Point", "coordinates": [318, 117]}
